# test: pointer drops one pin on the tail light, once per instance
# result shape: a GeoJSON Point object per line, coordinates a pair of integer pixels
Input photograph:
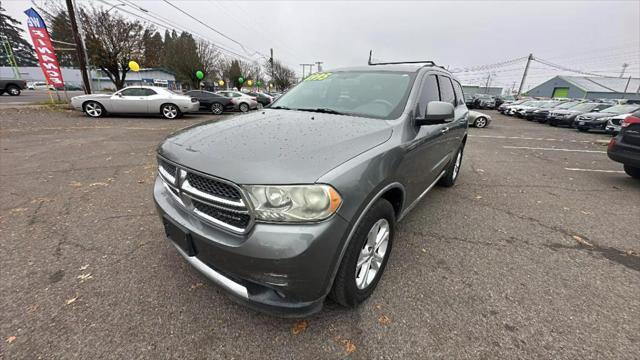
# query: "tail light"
{"type": "Point", "coordinates": [611, 144]}
{"type": "Point", "coordinates": [630, 120]}
{"type": "Point", "coordinates": [194, 100]}
{"type": "Point", "coordinates": [254, 98]}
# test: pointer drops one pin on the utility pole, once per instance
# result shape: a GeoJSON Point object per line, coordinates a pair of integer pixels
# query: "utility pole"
{"type": "Point", "coordinates": [486, 87]}
{"type": "Point", "coordinates": [319, 63]}
{"type": "Point", "coordinates": [524, 75]}
{"type": "Point", "coordinates": [271, 62]}
{"type": "Point", "coordinates": [624, 96]}
{"type": "Point", "coordinates": [303, 67]}
{"type": "Point", "coordinates": [81, 51]}
{"type": "Point", "coordinates": [624, 68]}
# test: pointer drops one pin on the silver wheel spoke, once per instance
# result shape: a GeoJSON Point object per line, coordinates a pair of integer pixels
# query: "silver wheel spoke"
{"type": "Point", "coordinates": [372, 254]}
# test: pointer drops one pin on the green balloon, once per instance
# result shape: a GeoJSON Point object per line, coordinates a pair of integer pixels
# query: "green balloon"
{"type": "Point", "coordinates": [199, 74]}
{"type": "Point", "coordinates": [259, 83]}
{"type": "Point", "coordinates": [240, 79]}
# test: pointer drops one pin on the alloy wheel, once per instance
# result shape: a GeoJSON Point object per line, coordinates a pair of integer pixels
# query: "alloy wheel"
{"type": "Point", "coordinates": [456, 166]}
{"type": "Point", "coordinates": [217, 109]}
{"type": "Point", "coordinates": [244, 107]}
{"type": "Point", "coordinates": [170, 111]}
{"type": "Point", "coordinates": [481, 122]}
{"type": "Point", "coordinates": [372, 254]}
{"type": "Point", "coordinates": [93, 109]}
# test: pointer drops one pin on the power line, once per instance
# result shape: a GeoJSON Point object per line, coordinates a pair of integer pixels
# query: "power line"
{"type": "Point", "coordinates": [560, 67]}
{"type": "Point", "coordinates": [181, 29]}
{"type": "Point", "coordinates": [213, 29]}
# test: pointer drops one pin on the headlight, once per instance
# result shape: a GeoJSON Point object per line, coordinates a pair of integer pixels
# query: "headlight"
{"type": "Point", "coordinates": [293, 203]}
{"type": "Point", "coordinates": [607, 118]}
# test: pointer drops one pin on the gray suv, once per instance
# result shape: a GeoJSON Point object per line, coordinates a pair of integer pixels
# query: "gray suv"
{"type": "Point", "coordinates": [299, 201]}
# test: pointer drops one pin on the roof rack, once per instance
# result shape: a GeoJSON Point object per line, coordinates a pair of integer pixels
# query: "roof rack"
{"type": "Point", "coordinates": [427, 62]}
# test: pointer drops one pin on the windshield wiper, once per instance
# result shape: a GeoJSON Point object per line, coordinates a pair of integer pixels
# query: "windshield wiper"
{"type": "Point", "coordinates": [323, 110]}
{"type": "Point", "coordinates": [280, 107]}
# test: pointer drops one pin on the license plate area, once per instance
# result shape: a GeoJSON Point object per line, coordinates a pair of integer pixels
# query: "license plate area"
{"type": "Point", "coordinates": [179, 236]}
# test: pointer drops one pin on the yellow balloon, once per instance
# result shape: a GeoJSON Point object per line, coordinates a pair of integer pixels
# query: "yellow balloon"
{"type": "Point", "coordinates": [249, 82]}
{"type": "Point", "coordinates": [133, 66]}
{"type": "Point", "coordinates": [270, 85]}
{"type": "Point", "coordinates": [221, 82]}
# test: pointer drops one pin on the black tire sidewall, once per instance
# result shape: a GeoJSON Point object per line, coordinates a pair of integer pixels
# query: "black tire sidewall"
{"type": "Point", "coordinates": [634, 172]}
{"type": "Point", "coordinates": [448, 180]}
{"type": "Point", "coordinates": [13, 87]}
{"type": "Point", "coordinates": [345, 291]}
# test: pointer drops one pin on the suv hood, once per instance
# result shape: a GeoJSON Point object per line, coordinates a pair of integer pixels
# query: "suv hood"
{"type": "Point", "coordinates": [274, 146]}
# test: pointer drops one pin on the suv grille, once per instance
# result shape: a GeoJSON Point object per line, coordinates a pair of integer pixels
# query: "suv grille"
{"type": "Point", "coordinates": [215, 201]}
{"type": "Point", "coordinates": [236, 219]}
{"type": "Point", "coordinates": [213, 187]}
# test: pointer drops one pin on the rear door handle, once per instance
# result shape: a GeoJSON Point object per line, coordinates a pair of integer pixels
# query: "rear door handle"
{"type": "Point", "coordinates": [444, 130]}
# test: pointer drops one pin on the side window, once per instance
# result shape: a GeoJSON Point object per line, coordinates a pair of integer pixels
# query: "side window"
{"type": "Point", "coordinates": [429, 93]}
{"type": "Point", "coordinates": [459, 94]}
{"type": "Point", "coordinates": [446, 90]}
{"type": "Point", "coordinates": [149, 92]}
{"type": "Point", "coordinates": [129, 92]}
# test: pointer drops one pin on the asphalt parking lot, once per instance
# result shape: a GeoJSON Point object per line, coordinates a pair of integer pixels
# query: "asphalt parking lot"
{"type": "Point", "coordinates": [535, 253]}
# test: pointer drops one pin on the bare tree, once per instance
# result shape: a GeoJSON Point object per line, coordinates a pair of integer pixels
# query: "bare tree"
{"type": "Point", "coordinates": [283, 76]}
{"type": "Point", "coordinates": [112, 41]}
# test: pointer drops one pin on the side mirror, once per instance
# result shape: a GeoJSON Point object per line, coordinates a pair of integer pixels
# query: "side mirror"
{"type": "Point", "coordinates": [438, 112]}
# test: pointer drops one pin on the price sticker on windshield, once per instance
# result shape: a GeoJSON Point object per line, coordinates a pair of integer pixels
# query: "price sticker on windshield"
{"type": "Point", "coordinates": [318, 76]}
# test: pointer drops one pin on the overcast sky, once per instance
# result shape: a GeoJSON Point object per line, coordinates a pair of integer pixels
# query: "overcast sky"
{"type": "Point", "coordinates": [594, 36]}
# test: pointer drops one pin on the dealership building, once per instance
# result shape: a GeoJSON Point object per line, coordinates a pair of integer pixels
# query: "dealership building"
{"type": "Point", "coordinates": [99, 80]}
{"type": "Point", "coordinates": [588, 87]}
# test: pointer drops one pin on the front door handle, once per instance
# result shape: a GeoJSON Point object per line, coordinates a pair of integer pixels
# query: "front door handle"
{"type": "Point", "coordinates": [444, 130]}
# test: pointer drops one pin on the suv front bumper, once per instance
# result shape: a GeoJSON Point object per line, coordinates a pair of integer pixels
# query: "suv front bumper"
{"type": "Point", "coordinates": [283, 269]}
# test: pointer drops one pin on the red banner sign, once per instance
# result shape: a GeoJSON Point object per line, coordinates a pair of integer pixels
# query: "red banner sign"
{"type": "Point", "coordinates": [44, 49]}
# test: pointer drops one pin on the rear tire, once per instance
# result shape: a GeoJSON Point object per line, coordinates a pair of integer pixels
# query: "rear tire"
{"type": "Point", "coordinates": [244, 107]}
{"type": "Point", "coordinates": [13, 90]}
{"type": "Point", "coordinates": [634, 172]}
{"type": "Point", "coordinates": [453, 170]}
{"type": "Point", "coordinates": [371, 248]}
{"type": "Point", "coordinates": [170, 111]}
{"type": "Point", "coordinates": [217, 108]}
{"type": "Point", "coordinates": [481, 122]}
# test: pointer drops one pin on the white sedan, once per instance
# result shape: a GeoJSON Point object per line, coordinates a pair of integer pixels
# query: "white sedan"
{"type": "Point", "coordinates": [137, 100]}
{"type": "Point", "coordinates": [241, 101]}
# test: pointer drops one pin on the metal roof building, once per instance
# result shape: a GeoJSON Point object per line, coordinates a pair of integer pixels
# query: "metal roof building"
{"type": "Point", "coordinates": [588, 87]}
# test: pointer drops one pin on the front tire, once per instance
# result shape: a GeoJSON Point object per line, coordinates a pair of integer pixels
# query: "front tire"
{"type": "Point", "coordinates": [480, 122]}
{"type": "Point", "coordinates": [366, 257]}
{"type": "Point", "coordinates": [93, 109]}
{"type": "Point", "coordinates": [453, 170]}
{"type": "Point", "coordinates": [634, 172]}
{"type": "Point", "coordinates": [170, 111]}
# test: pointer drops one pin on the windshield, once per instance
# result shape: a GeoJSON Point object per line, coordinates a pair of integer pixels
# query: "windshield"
{"type": "Point", "coordinates": [375, 94]}
{"type": "Point", "coordinates": [621, 109]}
{"type": "Point", "coordinates": [584, 107]}
{"type": "Point", "coordinates": [530, 103]}
{"type": "Point", "coordinates": [547, 104]}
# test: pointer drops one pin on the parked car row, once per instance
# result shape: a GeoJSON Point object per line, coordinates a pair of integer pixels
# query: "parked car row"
{"type": "Point", "coordinates": [170, 105]}
{"type": "Point", "coordinates": [485, 101]}
{"type": "Point", "coordinates": [584, 115]}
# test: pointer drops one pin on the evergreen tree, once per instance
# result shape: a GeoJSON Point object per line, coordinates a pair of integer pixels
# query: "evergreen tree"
{"type": "Point", "coordinates": [12, 34]}
{"type": "Point", "coordinates": [153, 48]}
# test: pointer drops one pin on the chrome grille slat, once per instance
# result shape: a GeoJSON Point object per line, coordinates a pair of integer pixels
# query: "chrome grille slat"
{"type": "Point", "coordinates": [216, 201]}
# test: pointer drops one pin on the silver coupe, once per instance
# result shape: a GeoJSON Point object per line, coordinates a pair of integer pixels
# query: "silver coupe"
{"type": "Point", "coordinates": [137, 100]}
{"type": "Point", "coordinates": [478, 119]}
